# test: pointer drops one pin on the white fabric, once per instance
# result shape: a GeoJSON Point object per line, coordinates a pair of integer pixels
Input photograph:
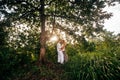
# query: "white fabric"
{"type": "Point", "coordinates": [60, 54]}
{"type": "Point", "coordinates": [59, 47]}
{"type": "Point", "coordinates": [60, 57]}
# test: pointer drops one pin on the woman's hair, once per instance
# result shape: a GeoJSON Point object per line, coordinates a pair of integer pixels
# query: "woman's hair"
{"type": "Point", "coordinates": [63, 42]}
{"type": "Point", "coordinates": [59, 40]}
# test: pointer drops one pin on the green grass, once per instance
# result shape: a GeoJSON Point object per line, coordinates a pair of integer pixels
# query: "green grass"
{"type": "Point", "coordinates": [93, 66]}
{"type": "Point", "coordinates": [102, 64]}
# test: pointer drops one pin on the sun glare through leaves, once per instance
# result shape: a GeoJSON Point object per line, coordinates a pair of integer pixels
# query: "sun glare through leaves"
{"type": "Point", "coordinates": [54, 38]}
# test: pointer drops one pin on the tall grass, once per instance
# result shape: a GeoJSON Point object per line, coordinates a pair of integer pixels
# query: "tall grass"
{"type": "Point", "coordinates": [100, 64]}
{"type": "Point", "coordinates": [93, 66]}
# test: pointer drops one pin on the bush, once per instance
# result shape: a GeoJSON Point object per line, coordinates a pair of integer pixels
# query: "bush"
{"type": "Point", "coordinates": [93, 66]}
{"type": "Point", "coordinates": [13, 64]}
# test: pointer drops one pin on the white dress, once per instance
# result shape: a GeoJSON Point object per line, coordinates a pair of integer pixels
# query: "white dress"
{"type": "Point", "coordinates": [60, 54]}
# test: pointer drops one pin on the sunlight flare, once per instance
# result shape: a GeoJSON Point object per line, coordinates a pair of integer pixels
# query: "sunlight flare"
{"type": "Point", "coordinates": [53, 38]}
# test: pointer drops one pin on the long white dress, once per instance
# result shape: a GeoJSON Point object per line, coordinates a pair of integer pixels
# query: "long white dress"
{"type": "Point", "coordinates": [60, 54]}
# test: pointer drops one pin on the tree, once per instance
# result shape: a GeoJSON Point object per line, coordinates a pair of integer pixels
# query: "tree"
{"type": "Point", "coordinates": [84, 13]}
{"type": "Point", "coordinates": [3, 33]}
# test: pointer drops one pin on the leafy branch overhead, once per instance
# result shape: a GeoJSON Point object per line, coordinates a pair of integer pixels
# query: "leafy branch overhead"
{"type": "Point", "coordinates": [86, 13]}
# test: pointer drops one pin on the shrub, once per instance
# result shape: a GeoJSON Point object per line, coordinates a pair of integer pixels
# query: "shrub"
{"type": "Point", "coordinates": [93, 66]}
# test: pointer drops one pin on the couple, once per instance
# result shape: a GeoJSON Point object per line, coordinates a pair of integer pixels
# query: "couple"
{"type": "Point", "coordinates": [62, 56]}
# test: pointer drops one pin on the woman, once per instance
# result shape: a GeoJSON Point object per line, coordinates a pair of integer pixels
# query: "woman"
{"type": "Point", "coordinates": [60, 52]}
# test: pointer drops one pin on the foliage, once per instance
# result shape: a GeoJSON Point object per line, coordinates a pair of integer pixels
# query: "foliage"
{"type": "Point", "coordinates": [98, 60]}
{"type": "Point", "coordinates": [93, 66]}
{"type": "Point", "coordinates": [84, 13]}
{"type": "Point", "coordinates": [51, 52]}
{"type": "Point", "coordinates": [3, 35]}
{"type": "Point", "coordinates": [97, 65]}
{"type": "Point", "coordinates": [12, 63]}
{"type": "Point", "coordinates": [101, 63]}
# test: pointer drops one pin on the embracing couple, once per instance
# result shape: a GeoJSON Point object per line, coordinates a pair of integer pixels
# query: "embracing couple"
{"type": "Point", "coordinates": [62, 56]}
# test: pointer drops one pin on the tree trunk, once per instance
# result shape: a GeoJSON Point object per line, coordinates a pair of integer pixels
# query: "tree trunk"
{"type": "Point", "coordinates": [42, 35]}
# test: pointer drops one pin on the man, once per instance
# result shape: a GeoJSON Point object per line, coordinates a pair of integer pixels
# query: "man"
{"type": "Point", "coordinates": [60, 52]}
{"type": "Point", "coordinates": [63, 50]}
